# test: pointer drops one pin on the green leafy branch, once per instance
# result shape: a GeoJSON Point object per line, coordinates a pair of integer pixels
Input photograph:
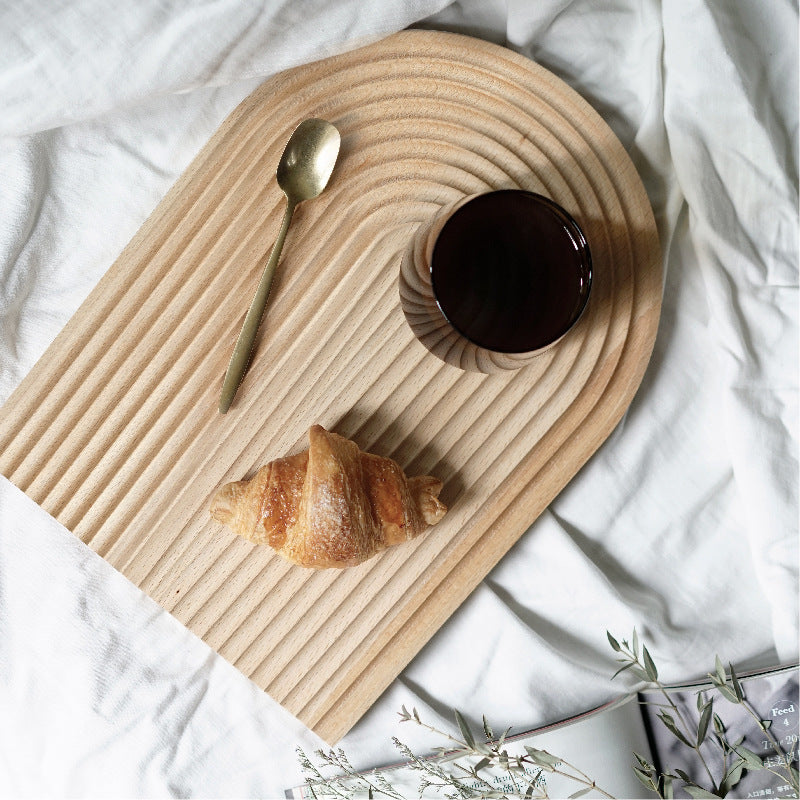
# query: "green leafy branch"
{"type": "Point", "coordinates": [731, 689]}
{"type": "Point", "coordinates": [471, 765]}
{"type": "Point", "coordinates": [346, 781]}
{"type": "Point", "coordinates": [736, 758]}
{"type": "Point", "coordinates": [524, 771]}
{"type": "Point", "coordinates": [639, 662]}
{"type": "Point", "coordinates": [462, 769]}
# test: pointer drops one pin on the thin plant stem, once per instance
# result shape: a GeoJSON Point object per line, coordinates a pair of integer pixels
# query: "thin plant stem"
{"type": "Point", "coordinates": [687, 731]}
{"type": "Point", "coordinates": [584, 778]}
{"type": "Point", "coordinates": [775, 746]}
{"type": "Point", "coordinates": [634, 658]}
{"type": "Point", "coordinates": [473, 774]}
{"type": "Point", "coordinates": [580, 776]}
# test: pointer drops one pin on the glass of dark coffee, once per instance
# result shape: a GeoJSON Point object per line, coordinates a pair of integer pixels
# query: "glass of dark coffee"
{"type": "Point", "coordinates": [495, 279]}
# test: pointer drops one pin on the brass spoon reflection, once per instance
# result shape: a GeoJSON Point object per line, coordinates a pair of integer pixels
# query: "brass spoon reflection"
{"type": "Point", "coordinates": [303, 172]}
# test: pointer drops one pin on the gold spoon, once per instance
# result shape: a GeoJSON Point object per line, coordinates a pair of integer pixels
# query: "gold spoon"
{"type": "Point", "coordinates": [303, 172]}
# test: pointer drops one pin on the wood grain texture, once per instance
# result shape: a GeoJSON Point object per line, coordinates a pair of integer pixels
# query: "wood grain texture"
{"type": "Point", "coordinates": [115, 431]}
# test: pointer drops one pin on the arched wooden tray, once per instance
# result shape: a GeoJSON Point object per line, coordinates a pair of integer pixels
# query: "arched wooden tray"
{"type": "Point", "coordinates": [115, 432]}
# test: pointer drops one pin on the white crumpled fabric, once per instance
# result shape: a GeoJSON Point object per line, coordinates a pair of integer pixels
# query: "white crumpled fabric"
{"type": "Point", "coordinates": [684, 524]}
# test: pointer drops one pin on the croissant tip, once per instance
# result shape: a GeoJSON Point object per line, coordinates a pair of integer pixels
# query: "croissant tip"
{"type": "Point", "coordinates": [425, 489]}
{"type": "Point", "coordinates": [222, 505]}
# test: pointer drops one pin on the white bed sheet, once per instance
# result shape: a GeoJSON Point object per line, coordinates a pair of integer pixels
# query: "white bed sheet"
{"type": "Point", "coordinates": [684, 524]}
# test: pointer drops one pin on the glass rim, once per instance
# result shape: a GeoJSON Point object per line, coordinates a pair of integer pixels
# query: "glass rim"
{"type": "Point", "coordinates": [571, 228]}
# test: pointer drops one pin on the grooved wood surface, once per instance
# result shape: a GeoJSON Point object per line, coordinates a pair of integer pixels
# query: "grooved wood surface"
{"type": "Point", "coordinates": [115, 431]}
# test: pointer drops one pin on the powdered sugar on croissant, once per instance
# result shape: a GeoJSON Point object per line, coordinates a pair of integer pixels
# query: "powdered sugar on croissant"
{"type": "Point", "coordinates": [332, 505]}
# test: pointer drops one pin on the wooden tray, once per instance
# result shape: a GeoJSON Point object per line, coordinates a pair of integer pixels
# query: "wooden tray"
{"type": "Point", "coordinates": [115, 431]}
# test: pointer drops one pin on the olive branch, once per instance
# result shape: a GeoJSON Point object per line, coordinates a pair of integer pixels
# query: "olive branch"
{"type": "Point", "coordinates": [736, 758]}
{"type": "Point", "coordinates": [458, 769]}
{"type": "Point", "coordinates": [479, 764]}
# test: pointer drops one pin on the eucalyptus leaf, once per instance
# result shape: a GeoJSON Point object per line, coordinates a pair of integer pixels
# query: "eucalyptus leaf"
{"type": "Point", "coordinates": [484, 762]}
{"type": "Point", "coordinates": [737, 687]}
{"type": "Point", "coordinates": [714, 678]}
{"type": "Point", "coordinates": [700, 701]}
{"type": "Point", "coordinates": [684, 776]}
{"type": "Point", "coordinates": [669, 722]}
{"type": "Point", "coordinates": [542, 758]}
{"type": "Point", "coordinates": [641, 674]}
{"type": "Point", "coordinates": [733, 775]}
{"type": "Point", "coordinates": [487, 729]}
{"type": "Point", "coordinates": [720, 670]}
{"type": "Point", "coordinates": [482, 749]}
{"type": "Point", "coordinates": [644, 778]}
{"type": "Point", "coordinates": [728, 693]}
{"type": "Point", "coordinates": [469, 739]}
{"type": "Point", "coordinates": [667, 792]}
{"type": "Point", "coordinates": [751, 760]}
{"type": "Point", "coordinates": [635, 643]}
{"type": "Point", "coordinates": [623, 668]}
{"type": "Point", "coordinates": [613, 642]}
{"type": "Point", "coordinates": [649, 665]}
{"type": "Point", "coordinates": [702, 726]}
{"type": "Point", "coordinates": [580, 793]}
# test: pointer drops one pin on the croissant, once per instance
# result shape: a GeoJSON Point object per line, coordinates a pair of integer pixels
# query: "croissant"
{"type": "Point", "coordinates": [332, 505]}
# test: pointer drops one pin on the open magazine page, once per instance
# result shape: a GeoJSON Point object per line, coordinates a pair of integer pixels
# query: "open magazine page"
{"type": "Point", "coordinates": [602, 746]}
{"type": "Point", "coordinates": [600, 743]}
{"type": "Point", "coordinates": [774, 697]}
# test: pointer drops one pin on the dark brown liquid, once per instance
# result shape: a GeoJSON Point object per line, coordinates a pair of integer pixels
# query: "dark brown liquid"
{"type": "Point", "coordinates": [511, 271]}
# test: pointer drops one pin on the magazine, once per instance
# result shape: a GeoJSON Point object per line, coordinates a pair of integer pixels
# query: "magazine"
{"type": "Point", "coordinates": [602, 742]}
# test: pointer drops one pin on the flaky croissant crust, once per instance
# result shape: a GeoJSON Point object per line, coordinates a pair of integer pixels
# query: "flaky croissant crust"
{"type": "Point", "coordinates": [332, 505]}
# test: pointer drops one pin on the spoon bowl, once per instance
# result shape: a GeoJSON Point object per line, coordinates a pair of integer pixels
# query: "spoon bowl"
{"type": "Point", "coordinates": [308, 160]}
{"type": "Point", "coordinates": [303, 172]}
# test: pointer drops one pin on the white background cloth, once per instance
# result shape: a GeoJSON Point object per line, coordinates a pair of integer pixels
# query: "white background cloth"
{"type": "Point", "coordinates": [684, 524]}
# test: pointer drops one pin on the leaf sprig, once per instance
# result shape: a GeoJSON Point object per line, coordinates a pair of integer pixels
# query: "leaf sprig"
{"type": "Point", "coordinates": [736, 758]}
{"type": "Point", "coordinates": [469, 766]}
{"type": "Point", "coordinates": [522, 773]}
{"type": "Point", "coordinates": [479, 764]}
{"type": "Point", "coordinates": [730, 688]}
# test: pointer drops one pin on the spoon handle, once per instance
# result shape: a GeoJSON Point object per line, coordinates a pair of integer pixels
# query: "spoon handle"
{"type": "Point", "coordinates": [242, 352]}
